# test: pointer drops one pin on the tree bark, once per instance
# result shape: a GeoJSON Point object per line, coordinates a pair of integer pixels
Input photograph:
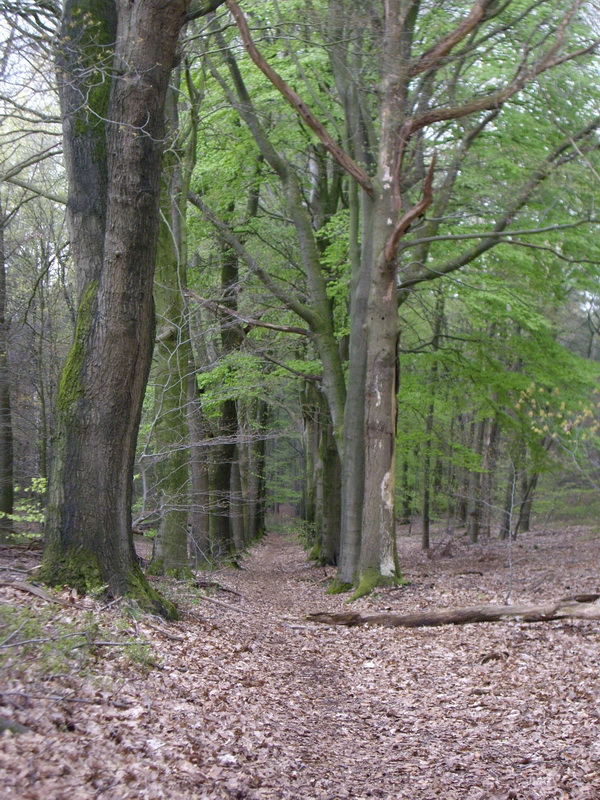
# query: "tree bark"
{"type": "Point", "coordinates": [172, 355]}
{"type": "Point", "coordinates": [89, 541]}
{"type": "Point", "coordinates": [6, 437]}
{"type": "Point", "coordinates": [475, 486]}
{"type": "Point", "coordinates": [200, 486]}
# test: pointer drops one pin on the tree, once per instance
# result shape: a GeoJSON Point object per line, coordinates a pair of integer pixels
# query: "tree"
{"type": "Point", "coordinates": [430, 70]}
{"type": "Point", "coordinates": [114, 63]}
{"type": "Point", "coordinates": [6, 432]}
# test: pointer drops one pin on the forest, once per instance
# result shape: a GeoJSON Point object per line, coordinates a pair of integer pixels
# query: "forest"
{"type": "Point", "coordinates": [299, 398]}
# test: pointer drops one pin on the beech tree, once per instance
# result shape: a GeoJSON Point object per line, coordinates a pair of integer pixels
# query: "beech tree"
{"type": "Point", "coordinates": [114, 63]}
{"type": "Point", "coordinates": [437, 86]}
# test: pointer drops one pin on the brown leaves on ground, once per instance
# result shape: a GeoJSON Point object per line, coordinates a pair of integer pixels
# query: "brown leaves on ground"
{"type": "Point", "coordinates": [248, 700]}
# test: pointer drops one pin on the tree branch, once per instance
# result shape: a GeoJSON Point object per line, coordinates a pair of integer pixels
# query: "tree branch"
{"type": "Point", "coordinates": [213, 304]}
{"type": "Point", "coordinates": [56, 198]}
{"type": "Point", "coordinates": [413, 213]}
{"type": "Point", "coordinates": [200, 8]}
{"type": "Point", "coordinates": [455, 237]}
{"type": "Point", "coordinates": [495, 235]}
{"type": "Point", "coordinates": [430, 58]}
{"type": "Point", "coordinates": [496, 99]}
{"type": "Point", "coordinates": [343, 159]}
{"type": "Point", "coordinates": [304, 312]}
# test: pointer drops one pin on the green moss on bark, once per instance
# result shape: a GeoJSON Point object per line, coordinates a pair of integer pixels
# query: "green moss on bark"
{"type": "Point", "coordinates": [148, 598]}
{"type": "Point", "coordinates": [70, 388]}
{"type": "Point", "coordinates": [90, 32]}
{"type": "Point", "coordinates": [181, 573]}
{"type": "Point", "coordinates": [80, 569]}
{"type": "Point", "coordinates": [338, 587]}
{"type": "Point", "coordinates": [370, 579]}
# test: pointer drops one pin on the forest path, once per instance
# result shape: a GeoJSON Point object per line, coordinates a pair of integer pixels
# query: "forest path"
{"type": "Point", "coordinates": [244, 700]}
{"type": "Point", "coordinates": [456, 712]}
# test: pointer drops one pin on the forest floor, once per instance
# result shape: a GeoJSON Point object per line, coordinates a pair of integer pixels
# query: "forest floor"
{"type": "Point", "coordinates": [243, 698]}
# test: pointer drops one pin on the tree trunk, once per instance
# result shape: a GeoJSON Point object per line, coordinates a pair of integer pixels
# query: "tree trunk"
{"type": "Point", "coordinates": [172, 356]}
{"type": "Point", "coordinates": [506, 524]}
{"type": "Point", "coordinates": [6, 438]}
{"type": "Point", "coordinates": [332, 500]}
{"type": "Point", "coordinates": [433, 378]}
{"type": "Point", "coordinates": [524, 520]}
{"type": "Point", "coordinates": [475, 485]}
{"type": "Point", "coordinates": [378, 556]}
{"type": "Point", "coordinates": [89, 540]}
{"type": "Point", "coordinates": [490, 458]}
{"type": "Point", "coordinates": [200, 486]}
{"type": "Point", "coordinates": [171, 431]}
{"type": "Point", "coordinates": [236, 506]}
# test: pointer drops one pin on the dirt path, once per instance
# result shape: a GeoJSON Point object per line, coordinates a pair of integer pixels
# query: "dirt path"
{"type": "Point", "coordinates": [252, 702]}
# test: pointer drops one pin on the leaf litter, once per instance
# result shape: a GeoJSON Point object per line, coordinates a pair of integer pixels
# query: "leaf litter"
{"type": "Point", "coordinates": [243, 698]}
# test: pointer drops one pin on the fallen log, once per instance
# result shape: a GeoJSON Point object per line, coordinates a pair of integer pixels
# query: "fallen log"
{"type": "Point", "coordinates": [578, 607]}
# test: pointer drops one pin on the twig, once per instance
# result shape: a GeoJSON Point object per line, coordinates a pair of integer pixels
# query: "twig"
{"type": "Point", "coordinates": [110, 644]}
{"type": "Point", "coordinates": [25, 587]}
{"type": "Point", "coordinates": [13, 634]}
{"type": "Point", "coordinates": [216, 585]}
{"type": "Point", "coordinates": [221, 603]}
{"type": "Point", "coordinates": [164, 633]}
{"type": "Point", "coordinates": [113, 602]}
{"type": "Point", "coordinates": [63, 699]}
{"type": "Point", "coordinates": [39, 641]}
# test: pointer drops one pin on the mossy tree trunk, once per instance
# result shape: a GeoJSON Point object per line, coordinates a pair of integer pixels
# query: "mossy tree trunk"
{"type": "Point", "coordinates": [113, 134]}
{"type": "Point", "coordinates": [173, 352]}
{"type": "Point", "coordinates": [171, 431]}
{"type": "Point", "coordinates": [332, 496]}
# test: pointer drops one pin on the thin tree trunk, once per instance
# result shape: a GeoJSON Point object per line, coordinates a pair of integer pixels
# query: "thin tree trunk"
{"type": "Point", "coordinates": [200, 487]}
{"type": "Point", "coordinates": [433, 378]}
{"type": "Point", "coordinates": [6, 437]}
{"type": "Point", "coordinates": [236, 506]}
{"type": "Point", "coordinates": [506, 525]}
{"type": "Point", "coordinates": [524, 520]}
{"type": "Point", "coordinates": [475, 485]}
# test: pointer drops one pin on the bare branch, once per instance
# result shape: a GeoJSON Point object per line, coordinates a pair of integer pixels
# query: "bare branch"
{"type": "Point", "coordinates": [243, 318]}
{"type": "Point", "coordinates": [303, 311]}
{"type": "Point", "coordinates": [430, 58]}
{"type": "Point", "coordinates": [413, 213]}
{"type": "Point", "coordinates": [455, 237]}
{"type": "Point", "coordinates": [56, 198]}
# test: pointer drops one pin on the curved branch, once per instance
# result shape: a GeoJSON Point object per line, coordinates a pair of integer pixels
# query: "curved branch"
{"type": "Point", "coordinates": [251, 321]}
{"type": "Point", "coordinates": [343, 159]}
{"type": "Point", "coordinates": [413, 213]}
{"type": "Point", "coordinates": [298, 308]}
{"type": "Point", "coordinates": [430, 58]}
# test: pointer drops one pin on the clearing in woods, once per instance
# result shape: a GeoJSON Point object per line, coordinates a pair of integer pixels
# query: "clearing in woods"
{"type": "Point", "coordinates": [245, 699]}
